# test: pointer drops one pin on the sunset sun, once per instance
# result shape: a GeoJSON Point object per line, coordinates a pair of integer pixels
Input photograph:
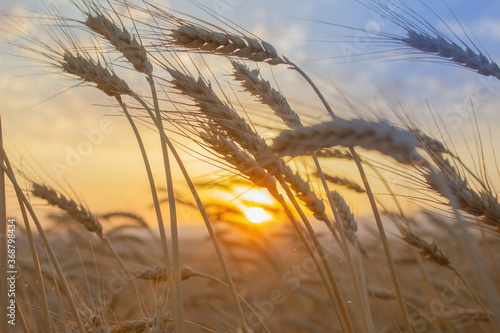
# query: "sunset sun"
{"type": "Point", "coordinates": [258, 215]}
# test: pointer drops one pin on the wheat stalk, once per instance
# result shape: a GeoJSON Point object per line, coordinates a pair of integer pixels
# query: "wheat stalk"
{"type": "Point", "coordinates": [50, 251]}
{"type": "Point", "coordinates": [138, 57]}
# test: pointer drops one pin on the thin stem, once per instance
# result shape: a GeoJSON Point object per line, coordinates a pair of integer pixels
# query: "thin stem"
{"type": "Point", "coordinates": [323, 257]}
{"type": "Point", "coordinates": [248, 305]}
{"type": "Point", "coordinates": [474, 294]}
{"type": "Point", "coordinates": [213, 236]}
{"type": "Point", "coordinates": [361, 298]}
{"type": "Point", "coordinates": [333, 295]}
{"type": "Point", "coordinates": [34, 255]}
{"type": "Point", "coordinates": [3, 248]}
{"type": "Point", "coordinates": [485, 281]}
{"type": "Point", "coordinates": [373, 204]}
{"type": "Point", "coordinates": [206, 220]}
{"type": "Point", "coordinates": [385, 243]}
{"type": "Point", "coordinates": [48, 247]}
{"type": "Point", "coordinates": [174, 230]}
{"type": "Point", "coordinates": [152, 186]}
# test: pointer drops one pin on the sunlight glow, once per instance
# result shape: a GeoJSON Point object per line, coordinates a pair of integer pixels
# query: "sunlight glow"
{"type": "Point", "coordinates": [258, 215]}
{"type": "Point", "coordinates": [257, 195]}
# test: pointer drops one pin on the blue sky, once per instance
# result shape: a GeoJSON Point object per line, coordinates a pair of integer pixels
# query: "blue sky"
{"type": "Point", "coordinates": [46, 129]}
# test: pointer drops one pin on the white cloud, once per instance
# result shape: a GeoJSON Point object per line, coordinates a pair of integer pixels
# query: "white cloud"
{"type": "Point", "coordinates": [483, 28]}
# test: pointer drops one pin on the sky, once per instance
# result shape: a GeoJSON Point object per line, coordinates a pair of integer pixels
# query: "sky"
{"type": "Point", "coordinates": [72, 138]}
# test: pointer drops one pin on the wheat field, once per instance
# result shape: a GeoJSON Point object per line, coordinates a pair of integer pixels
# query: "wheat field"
{"type": "Point", "coordinates": [315, 213]}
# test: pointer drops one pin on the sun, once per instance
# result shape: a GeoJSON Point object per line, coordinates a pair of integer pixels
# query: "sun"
{"type": "Point", "coordinates": [258, 215]}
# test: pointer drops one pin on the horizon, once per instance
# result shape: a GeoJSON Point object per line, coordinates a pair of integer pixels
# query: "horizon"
{"type": "Point", "coordinates": [89, 152]}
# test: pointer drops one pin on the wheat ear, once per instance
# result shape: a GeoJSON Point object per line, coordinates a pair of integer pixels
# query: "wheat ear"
{"type": "Point", "coordinates": [234, 154]}
{"type": "Point", "coordinates": [81, 215]}
{"type": "Point", "coordinates": [371, 197]}
{"type": "Point", "coordinates": [431, 41]}
{"type": "Point", "coordinates": [345, 183]}
{"type": "Point", "coordinates": [380, 136]}
{"type": "Point", "coordinates": [444, 48]}
{"type": "Point", "coordinates": [483, 204]}
{"type": "Point", "coordinates": [429, 250]}
{"type": "Point", "coordinates": [78, 212]}
{"type": "Point", "coordinates": [120, 38]}
{"type": "Point", "coordinates": [262, 89]}
{"type": "Point", "coordinates": [136, 54]}
{"type": "Point", "coordinates": [203, 40]}
{"type": "Point", "coordinates": [238, 158]}
{"type": "Point", "coordinates": [90, 71]}
{"type": "Point", "coordinates": [211, 107]}
{"type": "Point", "coordinates": [238, 130]}
{"type": "Point", "coordinates": [466, 316]}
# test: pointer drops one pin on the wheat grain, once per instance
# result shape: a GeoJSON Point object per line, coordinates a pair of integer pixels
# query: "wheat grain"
{"type": "Point", "coordinates": [380, 136]}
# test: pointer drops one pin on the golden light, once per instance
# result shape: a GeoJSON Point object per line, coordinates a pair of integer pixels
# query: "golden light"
{"type": "Point", "coordinates": [257, 195]}
{"type": "Point", "coordinates": [258, 215]}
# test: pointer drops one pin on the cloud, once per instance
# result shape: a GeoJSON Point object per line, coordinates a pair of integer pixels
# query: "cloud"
{"type": "Point", "coordinates": [488, 27]}
{"type": "Point", "coordinates": [485, 28]}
